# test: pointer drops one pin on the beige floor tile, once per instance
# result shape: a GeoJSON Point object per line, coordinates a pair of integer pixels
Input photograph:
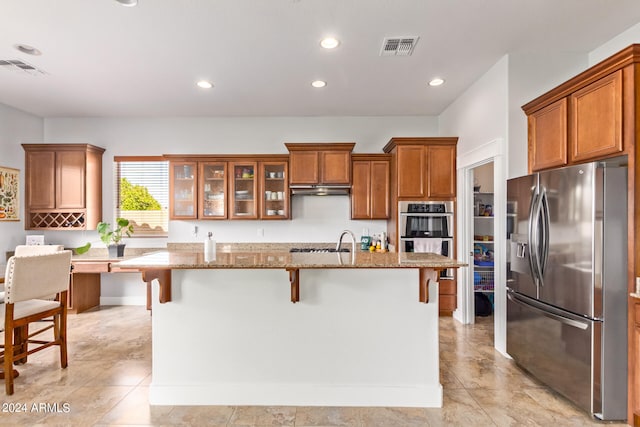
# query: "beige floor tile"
{"type": "Point", "coordinates": [263, 415]}
{"type": "Point", "coordinates": [108, 378]}
{"type": "Point", "coordinates": [327, 416]}
{"type": "Point", "coordinates": [87, 405]}
{"type": "Point", "coordinates": [199, 415]}
{"type": "Point", "coordinates": [123, 372]}
{"type": "Point", "coordinates": [134, 408]}
{"type": "Point", "coordinates": [384, 417]}
{"type": "Point", "coordinates": [513, 408]}
{"type": "Point", "coordinates": [458, 409]}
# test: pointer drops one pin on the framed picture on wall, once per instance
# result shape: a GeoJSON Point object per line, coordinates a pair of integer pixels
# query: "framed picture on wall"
{"type": "Point", "coordinates": [9, 192]}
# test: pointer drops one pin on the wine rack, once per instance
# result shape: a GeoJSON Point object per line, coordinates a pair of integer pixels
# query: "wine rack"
{"type": "Point", "coordinates": [57, 220]}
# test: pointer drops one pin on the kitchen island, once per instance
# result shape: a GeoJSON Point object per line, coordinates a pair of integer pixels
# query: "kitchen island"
{"type": "Point", "coordinates": [363, 330]}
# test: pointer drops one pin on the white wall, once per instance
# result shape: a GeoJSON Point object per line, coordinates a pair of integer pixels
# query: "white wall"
{"type": "Point", "coordinates": [619, 42]}
{"type": "Point", "coordinates": [531, 75]}
{"type": "Point", "coordinates": [16, 127]}
{"type": "Point", "coordinates": [479, 115]}
{"type": "Point", "coordinates": [490, 123]}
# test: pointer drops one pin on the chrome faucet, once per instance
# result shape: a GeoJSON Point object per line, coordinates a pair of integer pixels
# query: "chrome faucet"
{"type": "Point", "coordinates": [353, 240]}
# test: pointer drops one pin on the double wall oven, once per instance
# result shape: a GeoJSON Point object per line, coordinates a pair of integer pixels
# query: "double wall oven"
{"type": "Point", "coordinates": [427, 227]}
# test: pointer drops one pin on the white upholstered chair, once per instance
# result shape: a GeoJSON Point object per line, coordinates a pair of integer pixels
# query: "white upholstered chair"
{"type": "Point", "coordinates": [29, 280]}
{"type": "Point", "coordinates": [27, 250]}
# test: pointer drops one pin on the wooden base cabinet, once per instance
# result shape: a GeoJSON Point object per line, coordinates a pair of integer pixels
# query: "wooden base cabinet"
{"type": "Point", "coordinates": [63, 186]}
{"type": "Point", "coordinates": [448, 296]}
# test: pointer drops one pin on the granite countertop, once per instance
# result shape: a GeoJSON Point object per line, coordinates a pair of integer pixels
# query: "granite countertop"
{"type": "Point", "coordinates": [276, 256]}
{"type": "Point", "coordinates": [102, 254]}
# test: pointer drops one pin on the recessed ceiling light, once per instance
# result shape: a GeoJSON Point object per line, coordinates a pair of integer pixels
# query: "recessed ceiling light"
{"type": "Point", "coordinates": [204, 84]}
{"type": "Point", "coordinates": [29, 50]}
{"type": "Point", "coordinates": [329, 43]}
{"type": "Point", "coordinates": [318, 83]}
{"type": "Point", "coordinates": [436, 82]}
{"type": "Point", "coordinates": [128, 3]}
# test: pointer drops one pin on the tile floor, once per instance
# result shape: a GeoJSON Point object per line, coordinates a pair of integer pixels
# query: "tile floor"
{"type": "Point", "coordinates": [107, 382]}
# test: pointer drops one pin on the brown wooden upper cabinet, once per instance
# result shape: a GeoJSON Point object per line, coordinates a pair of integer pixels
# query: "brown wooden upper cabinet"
{"type": "Point", "coordinates": [548, 136]}
{"type": "Point", "coordinates": [370, 193]}
{"type": "Point", "coordinates": [183, 193]}
{"type": "Point", "coordinates": [424, 168]}
{"type": "Point", "coordinates": [583, 119]}
{"type": "Point", "coordinates": [318, 164]}
{"type": "Point", "coordinates": [228, 187]}
{"type": "Point", "coordinates": [596, 119]}
{"type": "Point", "coordinates": [63, 186]}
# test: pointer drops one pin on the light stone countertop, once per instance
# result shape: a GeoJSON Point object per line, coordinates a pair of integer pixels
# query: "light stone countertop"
{"type": "Point", "coordinates": [243, 259]}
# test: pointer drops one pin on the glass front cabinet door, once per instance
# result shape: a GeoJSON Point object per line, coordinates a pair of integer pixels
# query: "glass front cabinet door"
{"type": "Point", "coordinates": [182, 182]}
{"type": "Point", "coordinates": [274, 190]}
{"type": "Point", "coordinates": [213, 190]}
{"type": "Point", "coordinates": [243, 190]}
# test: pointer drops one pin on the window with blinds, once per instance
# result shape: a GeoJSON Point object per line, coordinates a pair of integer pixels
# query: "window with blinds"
{"type": "Point", "coordinates": [141, 191]}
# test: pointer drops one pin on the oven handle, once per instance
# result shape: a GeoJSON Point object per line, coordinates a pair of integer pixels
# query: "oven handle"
{"type": "Point", "coordinates": [426, 214]}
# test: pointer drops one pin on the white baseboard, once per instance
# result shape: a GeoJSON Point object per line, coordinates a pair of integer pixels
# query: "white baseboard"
{"type": "Point", "coordinates": [427, 396]}
{"type": "Point", "coordinates": [123, 301]}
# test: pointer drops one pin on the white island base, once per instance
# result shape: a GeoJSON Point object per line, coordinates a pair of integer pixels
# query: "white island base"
{"type": "Point", "coordinates": [357, 337]}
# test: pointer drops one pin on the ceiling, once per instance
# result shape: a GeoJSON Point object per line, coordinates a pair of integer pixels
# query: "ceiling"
{"type": "Point", "coordinates": [101, 59]}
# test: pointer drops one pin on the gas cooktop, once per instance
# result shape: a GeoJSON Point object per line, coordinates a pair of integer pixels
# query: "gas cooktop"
{"type": "Point", "coordinates": [317, 250]}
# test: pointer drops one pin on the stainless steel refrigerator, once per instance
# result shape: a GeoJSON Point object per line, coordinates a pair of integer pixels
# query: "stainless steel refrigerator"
{"type": "Point", "coordinates": [567, 282]}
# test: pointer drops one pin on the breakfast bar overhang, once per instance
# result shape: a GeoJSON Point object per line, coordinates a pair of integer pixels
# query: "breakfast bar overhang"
{"type": "Point", "coordinates": [363, 330]}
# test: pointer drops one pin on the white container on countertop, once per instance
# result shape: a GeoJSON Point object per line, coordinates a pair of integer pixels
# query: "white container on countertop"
{"type": "Point", "coordinates": [209, 248]}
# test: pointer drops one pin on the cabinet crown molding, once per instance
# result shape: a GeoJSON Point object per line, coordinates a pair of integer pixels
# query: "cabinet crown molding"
{"type": "Point", "coordinates": [625, 57]}
{"type": "Point", "coordinates": [62, 147]}
{"type": "Point", "coordinates": [320, 146]}
{"type": "Point", "coordinates": [436, 140]}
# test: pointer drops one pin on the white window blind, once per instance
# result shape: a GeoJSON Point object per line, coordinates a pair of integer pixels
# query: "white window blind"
{"type": "Point", "coordinates": [152, 174]}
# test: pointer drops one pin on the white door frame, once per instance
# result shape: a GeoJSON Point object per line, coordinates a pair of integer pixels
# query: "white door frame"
{"type": "Point", "coordinates": [495, 151]}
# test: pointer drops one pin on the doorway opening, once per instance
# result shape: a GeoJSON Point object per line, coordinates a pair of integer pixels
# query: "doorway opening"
{"type": "Point", "coordinates": [482, 262]}
{"type": "Point", "coordinates": [492, 152]}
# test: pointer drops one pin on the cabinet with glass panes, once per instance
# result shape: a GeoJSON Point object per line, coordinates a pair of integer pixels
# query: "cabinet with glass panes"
{"type": "Point", "coordinates": [229, 187]}
{"type": "Point", "coordinates": [243, 190]}
{"type": "Point", "coordinates": [274, 190]}
{"type": "Point", "coordinates": [182, 190]}
{"type": "Point", "coordinates": [213, 190]}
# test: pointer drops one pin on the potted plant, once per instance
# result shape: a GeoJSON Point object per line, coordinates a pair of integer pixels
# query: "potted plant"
{"type": "Point", "coordinates": [112, 237]}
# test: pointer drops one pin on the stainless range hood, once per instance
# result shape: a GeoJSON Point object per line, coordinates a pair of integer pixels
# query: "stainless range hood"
{"type": "Point", "coordinates": [320, 190]}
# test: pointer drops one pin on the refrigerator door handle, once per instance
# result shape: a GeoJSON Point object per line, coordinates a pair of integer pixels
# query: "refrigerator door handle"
{"type": "Point", "coordinates": [534, 238]}
{"type": "Point", "coordinates": [545, 310]}
{"type": "Point", "coordinates": [530, 234]}
{"type": "Point", "coordinates": [544, 246]}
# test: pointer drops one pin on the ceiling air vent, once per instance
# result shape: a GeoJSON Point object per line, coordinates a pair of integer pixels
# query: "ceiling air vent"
{"type": "Point", "coordinates": [20, 66]}
{"type": "Point", "coordinates": [398, 46]}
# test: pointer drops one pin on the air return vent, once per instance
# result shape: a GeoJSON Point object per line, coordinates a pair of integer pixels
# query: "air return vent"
{"type": "Point", "coordinates": [398, 46]}
{"type": "Point", "coordinates": [20, 67]}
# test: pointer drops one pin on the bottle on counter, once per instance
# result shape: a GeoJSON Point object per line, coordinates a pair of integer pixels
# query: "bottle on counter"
{"type": "Point", "coordinates": [209, 248]}
{"type": "Point", "coordinates": [365, 240]}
